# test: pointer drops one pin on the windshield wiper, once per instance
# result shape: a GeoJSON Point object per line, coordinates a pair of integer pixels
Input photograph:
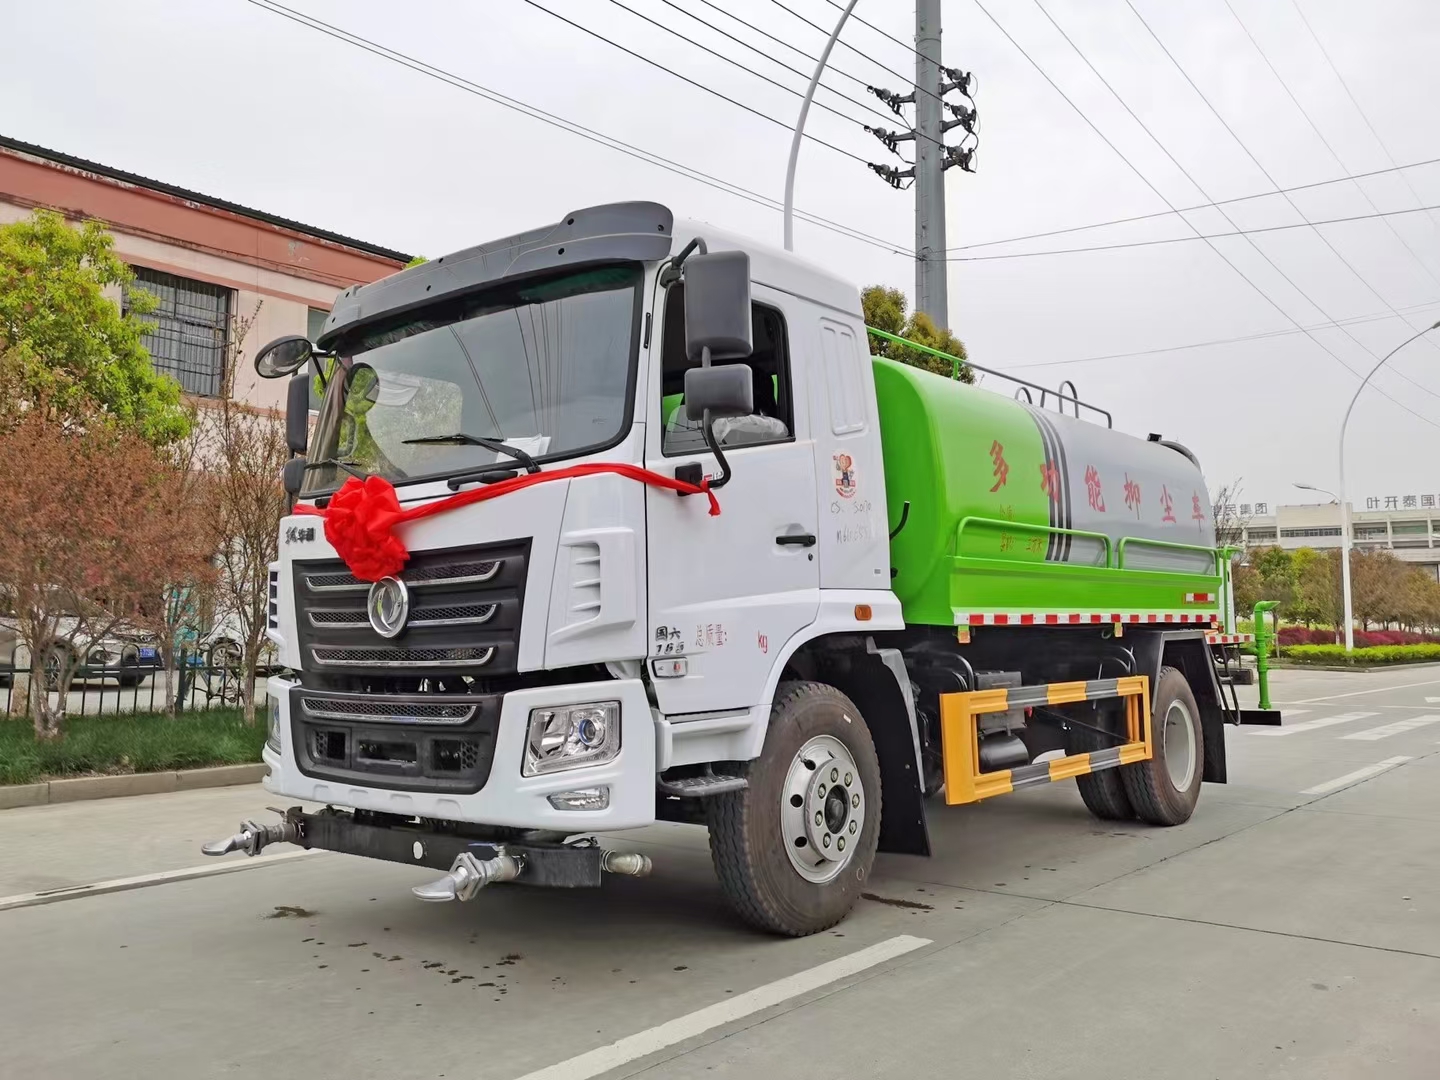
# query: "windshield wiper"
{"type": "Point", "coordinates": [479, 440]}
{"type": "Point", "coordinates": [352, 467]}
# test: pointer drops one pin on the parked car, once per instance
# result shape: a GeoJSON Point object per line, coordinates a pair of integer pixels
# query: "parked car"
{"type": "Point", "coordinates": [126, 654]}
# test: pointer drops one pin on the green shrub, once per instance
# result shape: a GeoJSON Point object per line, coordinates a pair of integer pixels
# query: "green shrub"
{"type": "Point", "coordinates": [129, 744]}
{"type": "Point", "coordinates": [1377, 654]}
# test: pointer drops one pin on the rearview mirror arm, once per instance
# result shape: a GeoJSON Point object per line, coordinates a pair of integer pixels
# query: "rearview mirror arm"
{"type": "Point", "coordinates": [676, 266]}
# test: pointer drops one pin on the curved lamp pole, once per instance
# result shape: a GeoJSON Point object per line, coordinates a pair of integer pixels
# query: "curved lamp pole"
{"type": "Point", "coordinates": [1345, 506]}
{"type": "Point", "coordinates": [800, 128]}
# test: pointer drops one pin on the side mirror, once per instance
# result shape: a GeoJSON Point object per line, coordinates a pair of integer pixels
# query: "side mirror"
{"type": "Point", "coordinates": [283, 356]}
{"type": "Point", "coordinates": [293, 476]}
{"type": "Point", "coordinates": [726, 390]}
{"type": "Point", "coordinates": [717, 306]}
{"type": "Point", "coordinates": [297, 414]}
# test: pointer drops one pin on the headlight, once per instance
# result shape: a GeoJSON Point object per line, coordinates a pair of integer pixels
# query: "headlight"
{"type": "Point", "coordinates": [571, 736]}
{"type": "Point", "coordinates": [272, 739]}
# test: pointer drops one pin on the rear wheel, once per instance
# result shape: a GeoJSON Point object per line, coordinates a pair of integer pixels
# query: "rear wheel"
{"type": "Point", "coordinates": [1164, 789]}
{"type": "Point", "coordinates": [793, 850]}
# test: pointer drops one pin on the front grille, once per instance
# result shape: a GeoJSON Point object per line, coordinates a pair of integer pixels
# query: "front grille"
{"type": "Point", "coordinates": [465, 606]}
{"type": "Point", "coordinates": [379, 708]}
{"type": "Point", "coordinates": [465, 573]}
{"type": "Point", "coordinates": [466, 656]}
{"type": "Point", "coordinates": [404, 742]}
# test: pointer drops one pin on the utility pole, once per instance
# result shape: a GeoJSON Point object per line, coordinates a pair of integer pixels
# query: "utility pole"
{"type": "Point", "coordinates": [931, 276]}
{"type": "Point", "coordinates": [932, 156]}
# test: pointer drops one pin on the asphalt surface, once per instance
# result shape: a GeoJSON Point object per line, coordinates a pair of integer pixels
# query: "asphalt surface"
{"type": "Point", "coordinates": [1291, 929]}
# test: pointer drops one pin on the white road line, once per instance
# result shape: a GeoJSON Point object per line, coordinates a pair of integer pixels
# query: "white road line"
{"type": "Point", "coordinates": [100, 888]}
{"type": "Point", "coordinates": [1313, 725]}
{"type": "Point", "coordinates": [1373, 690]}
{"type": "Point", "coordinates": [1432, 701]}
{"type": "Point", "coordinates": [1355, 777]}
{"type": "Point", "coordinates": [1385, 731]}
{"type": "Point", "coordinates": [647, 1042]}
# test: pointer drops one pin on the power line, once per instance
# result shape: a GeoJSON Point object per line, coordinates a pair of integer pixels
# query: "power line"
{"type": "Point", "coordinates": [1346, 86]}
{"type": "Point", "coordinates": [693, 82]}
{"type": "Point", "coordinates": [735, 63]}
{"type": "Point", "coordinates": [1199, 206]}
{"type": "Point", "coordinates": [1382, 316]}
{"type": "Point", "coordinates": [1266, 173]}
{"type": "Point", "coordinates": [759, 52]}
{"type": "Point", "coordinates": [1147, 182]}
{"type": "Point", "coordinates": [1191, 239]}
{"type": "Point", "coordinates": [571, 127]}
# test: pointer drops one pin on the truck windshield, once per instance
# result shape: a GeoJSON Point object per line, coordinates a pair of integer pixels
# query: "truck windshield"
{"type": "Point", "coordinates": [545, 366]}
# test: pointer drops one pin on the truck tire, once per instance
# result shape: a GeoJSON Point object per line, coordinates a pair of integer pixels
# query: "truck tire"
{"type": "Point", "coordinates": [1103, 793]}
{"type": "Point", "coordinates": [794, 849]}
{"type": "Point", "coordinates": [1164, 789]}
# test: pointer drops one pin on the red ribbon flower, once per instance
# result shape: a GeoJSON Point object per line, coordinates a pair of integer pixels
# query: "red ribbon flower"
{"type": "Point", "coordinates": [361, 517]}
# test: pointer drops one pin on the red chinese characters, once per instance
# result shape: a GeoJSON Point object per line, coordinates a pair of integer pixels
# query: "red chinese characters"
{"type": "Point", "coordinates": [1050, 480]}
{"type": "Point", "coordinates": [1168, 503]}
{"type": "Point", "coordinates": [1196, 513]}
{"type": "Point", "coordinates": [1132, 494]}
{"type": "Point", "coordinates": [1092, 488]}
{"type": "Point", "coordinates": [1002, 469]}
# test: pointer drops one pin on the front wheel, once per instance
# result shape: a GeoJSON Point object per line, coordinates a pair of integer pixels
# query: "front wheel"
{"type": "Point", "coordinates": [1164, 789]}
{"type": "Point", "coordinates": [793, 850]}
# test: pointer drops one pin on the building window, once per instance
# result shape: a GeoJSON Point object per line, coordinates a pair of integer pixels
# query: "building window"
{"type": "Point", "coordinates": [1310, 532]}
{"type": "Point", "coordinates": [315, 324]}
{"type": "Point", "coordinates": [190, 329]}
{"type": "Point", "coordinates": [1258, 535]}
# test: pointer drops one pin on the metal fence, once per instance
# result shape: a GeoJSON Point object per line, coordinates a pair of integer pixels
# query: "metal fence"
{"type": "Point", "coordinates": [202, 680]}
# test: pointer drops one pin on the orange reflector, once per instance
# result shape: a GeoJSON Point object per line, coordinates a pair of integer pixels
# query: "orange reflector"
{"type": "Point", "coordinates": [862, 612]}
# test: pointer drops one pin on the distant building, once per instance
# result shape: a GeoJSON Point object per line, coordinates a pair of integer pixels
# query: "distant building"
{"type": "Point", "coordinates": [206, 260]}
{"type": "Point", "coordinates": [1409, 529]}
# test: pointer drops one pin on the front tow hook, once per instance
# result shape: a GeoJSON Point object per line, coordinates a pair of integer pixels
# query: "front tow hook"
{"type": "Point", "coordinates": [253, 838]}
{"type": "Point", "coordinates": [468, 875]}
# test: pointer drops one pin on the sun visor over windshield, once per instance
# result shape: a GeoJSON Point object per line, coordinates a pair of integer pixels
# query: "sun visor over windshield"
{"type": "Point", "coordinates": [632, 231]}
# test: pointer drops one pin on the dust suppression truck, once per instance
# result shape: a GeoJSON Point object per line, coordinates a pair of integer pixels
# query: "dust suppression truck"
{"type": "Point", "coordinates": [618, 521]}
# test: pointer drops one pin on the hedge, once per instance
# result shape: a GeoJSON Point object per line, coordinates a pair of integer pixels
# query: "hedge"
{"type": "Point", "coordinates": [1377, 654]}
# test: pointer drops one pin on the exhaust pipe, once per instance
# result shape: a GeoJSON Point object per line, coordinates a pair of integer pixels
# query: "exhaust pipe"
{"type": "Point", "coordinates": [254, 838]}
{"type": "Point", "coordinates": [469, 875]}
{"type": "Point", "coordinates": [629, 863]}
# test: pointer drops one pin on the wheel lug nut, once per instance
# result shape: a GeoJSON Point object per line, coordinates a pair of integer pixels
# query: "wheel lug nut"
{"type": "Point", "coordinates": [820, 791]}
{"type": "Point", "coordinates": [834, 775]}
{"type": "Point", "coordinates": [841, 844]}
{"type": "Point", "coordinates": [852, 828]}
{"type": "Point", "coordinates": [855, 801]}
{"type": "Point", "coordinates": [819, 819]}
{"type": "Point", "coordinates": [849, 779]}
{"type": "Point", "coordinates": [825, 842]}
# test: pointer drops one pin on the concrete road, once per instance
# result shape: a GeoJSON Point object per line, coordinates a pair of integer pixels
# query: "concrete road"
{"type": "Point", "coordinates": [1290, 930]}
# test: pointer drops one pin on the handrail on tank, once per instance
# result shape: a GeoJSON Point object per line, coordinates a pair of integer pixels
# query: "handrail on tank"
{"type": "Point", "coordinates": [1073, 397]}
{"type": "Point", "coordinates": [956, 361]}
{"type": "Point", "coordinates": [1171, 545]}
{"type": "Point", "coordinates": [1006, 523]}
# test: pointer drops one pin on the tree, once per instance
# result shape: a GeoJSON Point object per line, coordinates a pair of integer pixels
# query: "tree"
{"type": "Point", "coordinates": [1229, 525]}
{"type": "Point", "coordinates": [885, 310]}
{"type": "Point", "coordinates": [1313, 589]}
{"type": "Point", "coordinates": [244, 451]}
{"type": "Point", "coordinates": [1246, 580]}
{"type": "Point", "coordinates": [86, 543]}
{"type": "Point", "coordinates": [69, 348]}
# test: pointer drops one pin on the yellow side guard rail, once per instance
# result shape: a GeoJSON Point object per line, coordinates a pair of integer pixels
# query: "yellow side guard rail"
{"type": "Point", "coordinates": [960, 735]}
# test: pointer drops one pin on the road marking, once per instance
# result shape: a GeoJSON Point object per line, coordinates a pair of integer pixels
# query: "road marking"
{"type": "Point", "coordinates": [1355, 777]}
{"type": "Point", "coordinates": [1314, 725]}
{"type": "Point", "coordinates": [1432, 701]}
{"type": "Point", "coordinates": [643, 1043]}
{"type": "Point", "coordinates": [114, 885]}
{"type": "Point", "coordinates": [1385, 731]}
{"type": "Point", "coordinates": [1375, 690]}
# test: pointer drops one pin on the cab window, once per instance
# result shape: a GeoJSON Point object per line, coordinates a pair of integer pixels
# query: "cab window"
{"type": "Point", "coordinates": [773, 419]}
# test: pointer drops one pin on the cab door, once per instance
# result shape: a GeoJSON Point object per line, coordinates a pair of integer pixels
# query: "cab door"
{"type": "Point", "coordinates": [727, 592]}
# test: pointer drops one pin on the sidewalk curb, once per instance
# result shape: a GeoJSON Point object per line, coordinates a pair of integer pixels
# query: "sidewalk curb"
{"type": "Point", "coordinates": [109, 787]}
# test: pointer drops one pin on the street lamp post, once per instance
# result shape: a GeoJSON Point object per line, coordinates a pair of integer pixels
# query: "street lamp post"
{"type": "Point", "coordinates": [1344, 505]}
{"type": "Point", "coordinates": [800, 128]}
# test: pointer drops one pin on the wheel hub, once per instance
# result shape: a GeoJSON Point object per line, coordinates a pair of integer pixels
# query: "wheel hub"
{"type": "Point", "coordinates": [822, 809]}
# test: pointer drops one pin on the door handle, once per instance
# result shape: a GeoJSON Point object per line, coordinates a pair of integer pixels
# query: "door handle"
{"type": "Point", "coordinates": [795, 540]}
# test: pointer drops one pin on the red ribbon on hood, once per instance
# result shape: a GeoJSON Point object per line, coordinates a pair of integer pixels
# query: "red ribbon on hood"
{"type": "Point", "coordinates": [361, 517]}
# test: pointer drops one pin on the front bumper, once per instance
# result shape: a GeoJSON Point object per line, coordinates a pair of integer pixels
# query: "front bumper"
{"type": "Point", "coordinates": [506, 798]}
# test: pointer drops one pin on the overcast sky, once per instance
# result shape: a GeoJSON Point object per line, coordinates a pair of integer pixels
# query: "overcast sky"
{"type": "Point", "coordinates": [238, 102]}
